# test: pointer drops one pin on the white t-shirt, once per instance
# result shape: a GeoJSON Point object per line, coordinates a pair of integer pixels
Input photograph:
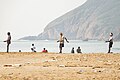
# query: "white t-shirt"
{"type": "Point", "coordinates": [33, 47]}
{"type": "Point", "coordinates": [111, 39]}
{"type": "Point", "coordinates": [61, 39]}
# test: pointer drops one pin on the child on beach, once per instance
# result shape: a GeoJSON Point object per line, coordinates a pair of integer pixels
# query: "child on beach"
{"type": "Point", "coordinates": [78, 50]}
{"type": "Point", "coordinates": [62, 42]}
{"type": "Point", "coordinates": [8, 41]}
{"type": "Point", "coordinates": [72, 51]}
{"type": "Point", "coordinates": [110, 42]}
{"type": "Point", "coordinates": [33, 48]}
{"type": "Point", "coordinates": [44, 50]}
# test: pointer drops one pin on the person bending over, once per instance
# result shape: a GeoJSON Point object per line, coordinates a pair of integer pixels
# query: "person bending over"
{"type": "Point", "coordinates": [33, 48]}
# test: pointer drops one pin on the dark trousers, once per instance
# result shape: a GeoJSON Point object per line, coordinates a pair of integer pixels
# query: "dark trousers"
{"type": "Point", "coordinates": [60, 46]}
{"type": "Point", "coordinates": [110, 46]}
{"type": "Point", "coordinates": [8, 47]}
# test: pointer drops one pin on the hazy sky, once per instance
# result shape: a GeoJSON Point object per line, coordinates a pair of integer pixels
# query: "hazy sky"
{"type": "Point", "coordinates": [30, 17]}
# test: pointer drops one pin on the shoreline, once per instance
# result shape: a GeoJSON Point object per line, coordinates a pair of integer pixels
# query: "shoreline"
{"type": "Point", "coordinates": [57, 66]}
{"type": "Point", "coordinates": [62, 53]}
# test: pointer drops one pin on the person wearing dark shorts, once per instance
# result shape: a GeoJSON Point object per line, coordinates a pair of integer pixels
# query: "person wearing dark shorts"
{"type": "Point", "coordinates": [110, 42]}
{"type": "Point", "coordinates": [61, 45]}
{"type": "Point", "coordinates": [8, 41]}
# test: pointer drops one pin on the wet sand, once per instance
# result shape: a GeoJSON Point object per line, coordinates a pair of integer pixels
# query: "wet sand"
{"type": "Point", "coordinates": [55, 66]}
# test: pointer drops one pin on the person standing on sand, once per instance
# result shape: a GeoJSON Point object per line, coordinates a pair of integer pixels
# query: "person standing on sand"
{"type": "Point", "coordinates": [8, 41]}
{"type": "Point", "coordinates": [110, 42]}
{"type": "Point", "coordinates": [62, 41]}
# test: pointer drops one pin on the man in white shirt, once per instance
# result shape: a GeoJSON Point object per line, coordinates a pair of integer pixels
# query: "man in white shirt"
{"type": "Point", "coordinates": [110, 42]}
{"type": "Point", "coordinates": [62, 41]}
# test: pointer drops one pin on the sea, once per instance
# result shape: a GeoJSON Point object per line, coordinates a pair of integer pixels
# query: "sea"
{"type": "Point", "coordinates": [91, 46]}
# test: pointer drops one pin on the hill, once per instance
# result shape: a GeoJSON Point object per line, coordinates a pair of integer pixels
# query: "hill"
{"type": "Point", "coordinates": [95, 19]}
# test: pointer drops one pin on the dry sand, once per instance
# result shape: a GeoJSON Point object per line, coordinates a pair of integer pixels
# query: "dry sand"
{"type": "Point", "coordinates": [53, 66]}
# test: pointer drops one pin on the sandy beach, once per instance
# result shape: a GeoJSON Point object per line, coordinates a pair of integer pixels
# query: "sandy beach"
{"type": "Point", "coordinates": [55, 66]}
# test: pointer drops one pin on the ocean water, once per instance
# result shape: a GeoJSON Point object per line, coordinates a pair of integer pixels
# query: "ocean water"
{"type": "Point", "coordinates": [91, 46]}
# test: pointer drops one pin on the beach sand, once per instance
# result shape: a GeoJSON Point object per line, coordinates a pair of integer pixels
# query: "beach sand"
{"type": "Point", "coordinates": [55, 66]}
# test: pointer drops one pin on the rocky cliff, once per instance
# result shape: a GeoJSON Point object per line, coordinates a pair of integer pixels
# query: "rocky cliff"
{"type": "Point", "coordinates": [93, 20]}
